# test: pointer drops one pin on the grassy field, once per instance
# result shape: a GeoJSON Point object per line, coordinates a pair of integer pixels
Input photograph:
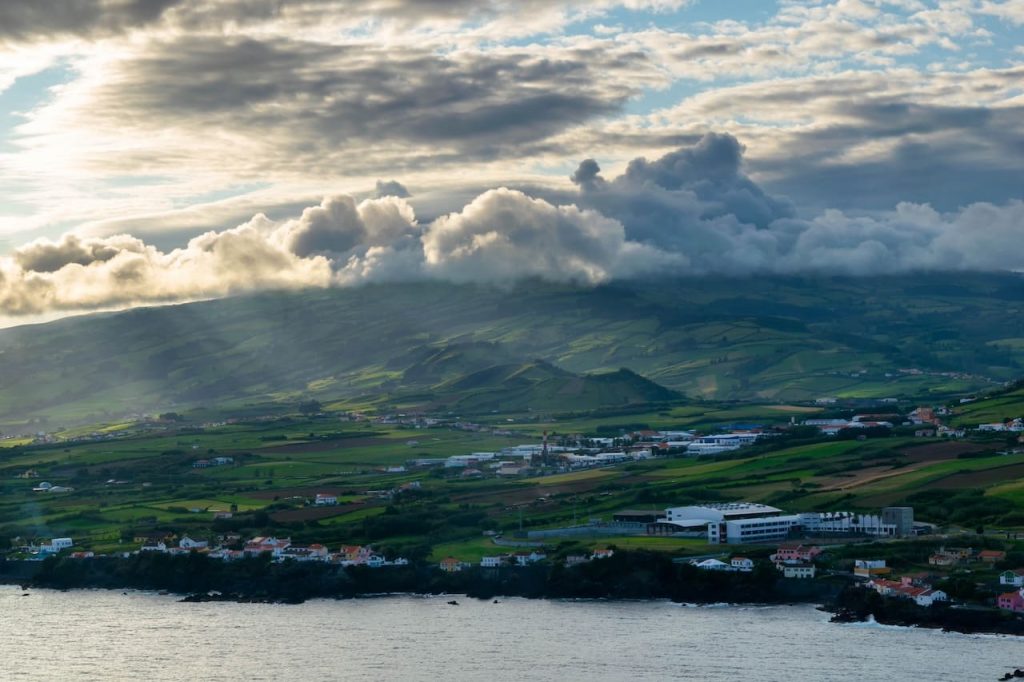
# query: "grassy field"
{"type": "Point", "coordinates": [146, 482]}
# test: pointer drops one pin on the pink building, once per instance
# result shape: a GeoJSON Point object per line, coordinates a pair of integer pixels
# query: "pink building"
{"type": "Point", "coordinates": [795, 554]}
{"type": "Point", "coordinates": [1011, 601]}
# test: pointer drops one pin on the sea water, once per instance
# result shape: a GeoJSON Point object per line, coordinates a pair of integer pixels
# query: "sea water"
{"type": "Point", "coordinates": [111, 635]}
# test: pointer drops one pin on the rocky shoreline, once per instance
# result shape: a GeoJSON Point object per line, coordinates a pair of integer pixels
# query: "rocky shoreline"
{"type": "Point", "coordinates": [627, 575]}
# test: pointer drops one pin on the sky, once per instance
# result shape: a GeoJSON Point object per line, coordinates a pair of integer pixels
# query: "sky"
{"type": "Point", "coordinates": [156, 151]}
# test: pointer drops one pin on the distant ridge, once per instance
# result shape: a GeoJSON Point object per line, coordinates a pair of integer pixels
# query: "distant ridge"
{"type": "Point", "coordinates": [758, 338]}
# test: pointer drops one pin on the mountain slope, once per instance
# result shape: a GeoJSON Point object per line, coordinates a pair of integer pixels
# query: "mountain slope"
{"type": "Point", "coordinates": [793, 339]}
{"type": "Point", "coordinates": [538, 385]}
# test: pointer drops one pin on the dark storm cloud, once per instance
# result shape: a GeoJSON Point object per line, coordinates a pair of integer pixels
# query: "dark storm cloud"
{"type": "Point", "coordinates": [391, 188]}
{"type": "Point", "coordinates": [672, 202]}
{"type": "Point", "coordinates": [34, 19]}
{"type": "Point", "coordinates": [303, 96]}
{"type": "Point", "coordinates": [945, 156]}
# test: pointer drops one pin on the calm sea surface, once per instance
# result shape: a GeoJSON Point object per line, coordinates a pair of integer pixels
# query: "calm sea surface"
{"type": "Point", "coordinates": [94, 635]}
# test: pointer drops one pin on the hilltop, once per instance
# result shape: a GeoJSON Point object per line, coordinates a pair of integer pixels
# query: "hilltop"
{"type": "Point", "coordinates": [781, 339]}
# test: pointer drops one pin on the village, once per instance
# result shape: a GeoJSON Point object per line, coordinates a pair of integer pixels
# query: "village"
{"type": "Point", "coordinates": [793, 560]}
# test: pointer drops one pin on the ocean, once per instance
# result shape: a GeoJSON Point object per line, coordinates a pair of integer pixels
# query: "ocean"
{"type": "Point", "coordinates": [110, 635]}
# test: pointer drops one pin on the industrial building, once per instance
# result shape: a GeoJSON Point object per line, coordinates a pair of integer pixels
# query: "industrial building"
{"type": "Point", "coordinates": [730, 522]}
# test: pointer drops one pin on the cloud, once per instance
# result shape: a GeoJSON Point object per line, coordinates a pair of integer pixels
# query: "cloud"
{"type": "Point", "coordinates": [337, 226]}
{"type": "Point", "coordinates": [691, 212]}
{"type": "Point", "coordinates": [244, 105]}
{"type": "Point", "coordinates": [391, 188]}
{"type": "Point", "coordinates": [33, 20]}
{"type": "Point", "coordinates": [504, 235]}
{"type": "Point", "coordinates": [680, 201]}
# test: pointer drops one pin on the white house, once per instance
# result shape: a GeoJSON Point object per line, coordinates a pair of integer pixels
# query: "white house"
{"type": "Point", "coordinates": [188, 543]}
{"type": "Point", "coordinates": [742, 563]}
{"type": "Point", "coordinates": [323, 499]}
{"type": "Point", "coordinates": [491, 561]}
{"type": "Point", "coordinates": [1014, 577]}
{"type": "Point", "coordinates": [153, 547]}
{"type": "Point", "coordinates": [712, 565]}
{"type": "Point", "coordinates": [55, 545]}
{"type": "Point", "coordinates": [524, 558]}
{"type": "Point", "coordinates": [929, 597]}
{"type": "Point", "coordinates": [790, 571]}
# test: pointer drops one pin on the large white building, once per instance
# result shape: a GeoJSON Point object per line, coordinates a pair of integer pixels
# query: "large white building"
{"type": "Point", "coordinates": [733, 522]}
{"type": "Point", "coordinates": [892, 522]}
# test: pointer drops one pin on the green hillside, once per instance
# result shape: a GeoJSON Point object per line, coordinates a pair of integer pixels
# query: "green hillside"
{"type": "Point", "coordinates": [763, 339]}
{"type": "Point", "coordinates": [541, 386]}
{"type": "Point", "coordinates": [997, 406]}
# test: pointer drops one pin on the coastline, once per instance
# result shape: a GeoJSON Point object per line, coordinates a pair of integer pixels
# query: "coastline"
{"type": "Point", "coordinates": [630, 576]}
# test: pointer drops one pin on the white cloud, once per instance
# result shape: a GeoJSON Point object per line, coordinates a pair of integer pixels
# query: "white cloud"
{"type": "Point", "coordinates": [692, 212]}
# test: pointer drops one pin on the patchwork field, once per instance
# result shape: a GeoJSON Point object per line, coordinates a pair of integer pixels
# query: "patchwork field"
{"type": "Point", "coordinates": [147, 482]}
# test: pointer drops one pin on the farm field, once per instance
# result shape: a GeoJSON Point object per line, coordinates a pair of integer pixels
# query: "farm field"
{"type": "Point", "coordinates": [148, 483]}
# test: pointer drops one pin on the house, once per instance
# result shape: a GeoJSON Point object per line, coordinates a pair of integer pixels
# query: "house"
{"type": "Point", "coordinates": [923, 415]}
{"type": "Point", "coordinates": [299, 553]}
{"type": "Point", "coordinates": [711, 565]}
{"type": "Point", "coordinates": [491, 561]}
{"type": "Point", "coordinates": [742, 563]}
{"type": "Point", "coordinates": [1014, 577]}
{"type": "Point", "coordinates": [800, 571]}
{"type": "Point", "coordinates": [923, 595]}
{"type": "Point", "coordinates": [55, 545]}
{"type": "Point", "coordinates": [602, 554]}
{"type": "Point", "coordinates": [884, 586]}
{"type": "Point", "coordinates": [62, 543]}
{"type": "Point", "coordinates": [82, 555]}
{"type": "Point", "coordinates": [869, 568]}
{"type": "Point", "coordinates": [154, 547]}
{"type": "Point", "coordinates": [190, 544]}
{"type": "Point", "coordinates": [930, 596]}
{"type": "Point", "coordinates": [222, 461]}
{"type": "Point", "coordinates": [154, 536]}
{"type": "Point", "coordinates": [1011, 601]}
{"type": "Point", "coordinates": [949, 557]}
{"type": "Point", "coordinates": [201, 464]}
{"type": "Point", "coordinates": [323, 499]}
{"type": "Point", "coordinates": [222, 515]}
{"type": "Point", "coordinates": [576, 559]}
{"type": "Point", "coordinates": [274, 546]}
{"type": "Point", "coordinates": [798, 554]}
{"type": "Point", "coordinates": [527, 558]}
{"type": "Point", "coordinates": [354, 554]}
{"type": "Point", "coordinates": [940, 559]}
{"type": "Point", "coordinates": [991, 556]}
{"type": "Point", "coordinates": [451, 565]}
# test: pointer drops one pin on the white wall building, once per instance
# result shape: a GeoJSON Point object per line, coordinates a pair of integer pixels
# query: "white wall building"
{"type": "Point", "coordinates": [805, 571]}
{"type": "Point", "coordinates": [188, 543]}
{"type": "Point", "coordinates": [734, 522]}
